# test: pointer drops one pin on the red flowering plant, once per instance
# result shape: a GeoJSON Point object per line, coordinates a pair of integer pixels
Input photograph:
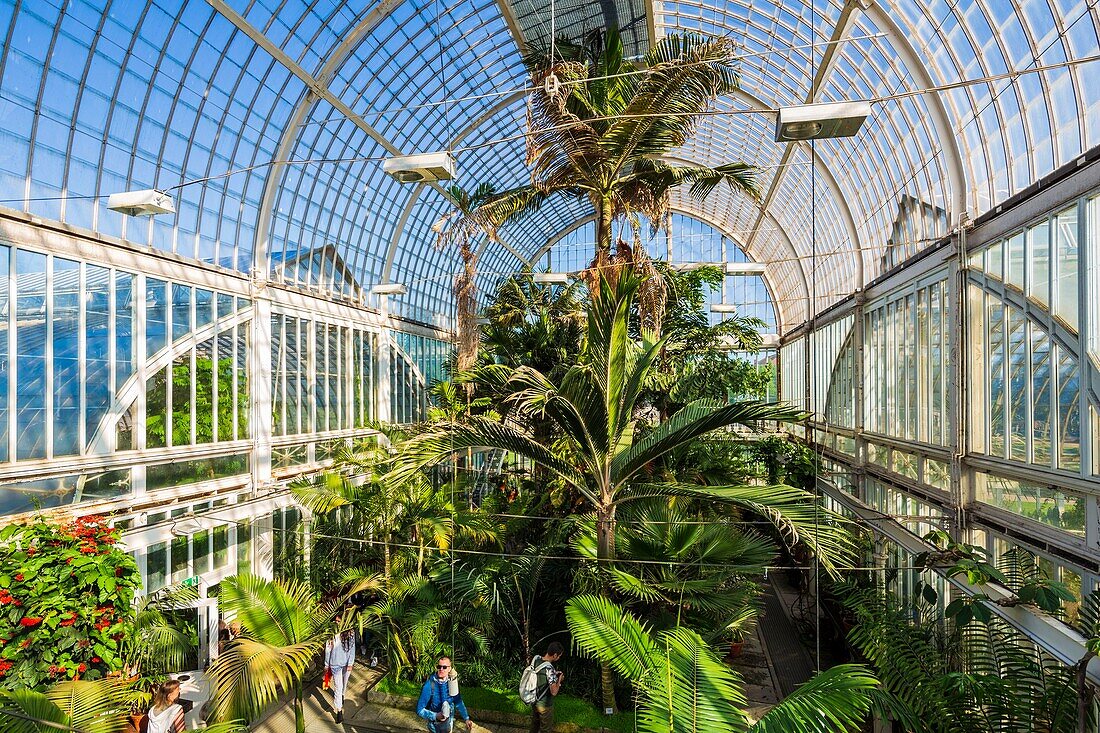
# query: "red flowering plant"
{"type": "Point", "coordinates": [66, 601]}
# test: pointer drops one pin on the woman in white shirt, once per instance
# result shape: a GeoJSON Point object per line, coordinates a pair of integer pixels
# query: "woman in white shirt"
{"type": "Point", "coordinates": [339, 659]}
{"type": "Point", "coordinates": [166, 715]}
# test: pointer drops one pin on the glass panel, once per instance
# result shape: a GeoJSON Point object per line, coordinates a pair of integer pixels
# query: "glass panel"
{"type": "Point", "coordinates": [156, 567]}
{"type": "Point", "coordinates": [181, 311]}
{"type": "Point", "coordinates": [1018, 384]}
{"type": "Point", "coordinates": [65, 319]}
{"type": "Point", "coordinates": [124, 328]}
{"type": "Point", "coordinates": [188, 472]}
{"type": "Point", "coordinates": [1041, 396]}
{"type": "Point", "coordinates": [205, 404]}
{"type": "Point", "coordinates": [30, 395]}
{"type": "Point", "coordinates": [244, 547]}
{"type": "Point", "coordinates": [97, 347]}
{"type": "Point", "coordinates": [156, 410]}
{"type": "Point", "coordinates": [204, 307]}
{"type": "Point", "coordinates": [1066, 277]}
{"type": "Point", "coordinates": [181, 399]}
{"type": "Point", "coordinates": [1016, 261]}
{"type": "Point", "coordinates": [1069, 422]}
{"type": "Point", "coordinates": [181, 561]}
{"type": "Point", "coordinates": [1038, 256]}
{"type": "Point", "coordinates": [242, 382]}
{"type": "Point", "coordinates": [156, 316]}
{"type": "Point", "coordinates": [1062, 509]}
{"type": "Point", "coordinates": [200, 543]}
{"type": "Point", "coordinates": [996, 314]}
{"type": "Point", "coordinates": [5, 369]}
{"type": "Point", "coordinates": [221, 546]}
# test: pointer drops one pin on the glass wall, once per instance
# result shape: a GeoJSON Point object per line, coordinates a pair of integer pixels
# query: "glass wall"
{"type": "Point", "coordinates": [417, 363]}
{"type": "Point", "coordinates": [906, 368]}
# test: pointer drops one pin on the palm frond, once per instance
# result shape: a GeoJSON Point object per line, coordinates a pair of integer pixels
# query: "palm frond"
{"type": "Point", "coordinates": [833, 701]}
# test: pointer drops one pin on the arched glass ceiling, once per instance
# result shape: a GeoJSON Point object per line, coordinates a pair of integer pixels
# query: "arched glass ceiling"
{"type": "Point", "coordinates": [102, 97]}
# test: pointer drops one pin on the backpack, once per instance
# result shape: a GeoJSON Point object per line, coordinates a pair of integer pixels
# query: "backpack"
{"type": "Point", "coordinates": [529, 681]}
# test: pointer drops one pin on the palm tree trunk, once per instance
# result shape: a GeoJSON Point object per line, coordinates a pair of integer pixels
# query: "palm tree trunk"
{"type": "Point", "coordinates": [299, 708]}
{"type": "Point", "coordinates": [605, 553]}
{"type": "Point", "coordinates": [603, 226]}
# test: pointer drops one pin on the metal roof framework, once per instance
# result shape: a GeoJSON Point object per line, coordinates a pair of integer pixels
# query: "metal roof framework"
{"type": "Point", "coordinates": [277, 113]}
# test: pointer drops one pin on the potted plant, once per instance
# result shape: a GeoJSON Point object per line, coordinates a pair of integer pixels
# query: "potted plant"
{"type": "Point", "coordinates": [742, 624]}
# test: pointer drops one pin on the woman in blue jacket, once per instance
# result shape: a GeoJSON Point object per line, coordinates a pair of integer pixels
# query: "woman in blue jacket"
{"type": "Point", "coordinates": [436, 704]}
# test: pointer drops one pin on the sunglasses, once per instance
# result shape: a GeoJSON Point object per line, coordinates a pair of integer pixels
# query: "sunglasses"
{"type": "Point", "coordinates": [442, 666]}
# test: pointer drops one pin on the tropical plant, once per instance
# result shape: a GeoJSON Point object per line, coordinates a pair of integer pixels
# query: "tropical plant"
{"type": "Point", "coordinates": [100, 706]}
{"type": "Point", "coordinates": [602, 452]}
{"type": "Point", "coordinates": [683, 686]}
{"type": "Point", "coordinates": [600, 126]}
{"type": "Point", "coordinates": [962, 676]}
{"type": "Point", "coordinates": [66, 597]}
{"type": "Point", "coordinates": [155, 644]}
{"type": "Point", "coordinates": [462, 229]}
{"type": "Point", "coordinates": [681, 568]}
{"type": "Point", "coordinates": [284, 627]}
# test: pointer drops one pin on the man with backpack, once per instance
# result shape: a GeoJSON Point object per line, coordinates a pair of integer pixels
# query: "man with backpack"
{"type": "Point", "coordinates": [539, 685]}
{"type": "Point", "coordinates": [437, 705]}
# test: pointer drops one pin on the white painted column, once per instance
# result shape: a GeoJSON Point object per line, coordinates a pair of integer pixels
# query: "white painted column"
{"type": "Point", "coordinates": [385, 358]}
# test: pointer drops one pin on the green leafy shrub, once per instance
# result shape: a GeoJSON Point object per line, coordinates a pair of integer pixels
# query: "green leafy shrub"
{"type": "Point", "coordinates": [66, 597]}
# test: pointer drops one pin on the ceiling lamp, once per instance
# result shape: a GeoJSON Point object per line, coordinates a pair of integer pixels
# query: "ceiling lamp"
{"type": "Point", "coordinates": [148, 202]}
{"type": "Point", "coordinates": [769, 340]}
{"type": "Point", "coordinates": [820, 121]}
{"type": "Point", "coordinates": [422, 168]}
{"type": "Point", "coordinates": [723, 308]}
{"type": "Point", "coordinates": [551, 278]}
{"type": "Point", "coordinates": [389, 289]}
{"type": "Point", "coordinates": [745, 268]}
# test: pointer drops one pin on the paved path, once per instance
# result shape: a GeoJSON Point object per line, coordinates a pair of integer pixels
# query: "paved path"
{"type": "Point", "coordinates": [359, 717]}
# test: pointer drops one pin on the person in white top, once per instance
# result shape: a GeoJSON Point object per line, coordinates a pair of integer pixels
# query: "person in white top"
{"type": "Point", "coordinates": [339, 659]}
{"type": "Point", "coordinates": [166, 715]}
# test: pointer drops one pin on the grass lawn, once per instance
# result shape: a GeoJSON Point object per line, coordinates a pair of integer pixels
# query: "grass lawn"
{"type": "Point", "coordinates": [567, 709]}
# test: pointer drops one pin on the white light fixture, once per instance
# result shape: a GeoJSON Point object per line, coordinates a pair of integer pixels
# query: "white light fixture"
{"type": "Point", "coordinates": [551, 278]}
{"type": "Point", "coordinates": [422, 168]}
{"type": "Point", "coordinates": [186, 526]}
{"type": "Point", "coordinates": [820, 121]}
{"type": "Point", "coordinates": [389, 289]}
{"type": "Point", "coordinates": [483, 321]}
{"type": "Point", "coordinates": [745, 268]}
{"type": "Point", "coordinates": [769, 340]}
{"type": "Point", "coordinates": [723, 308]}
{"type": "Point", "coordinates": [148, 202]}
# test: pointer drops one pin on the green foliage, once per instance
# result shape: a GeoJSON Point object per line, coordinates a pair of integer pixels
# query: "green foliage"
{"type": "Point", "coordinates": [960, 675]}
{"type": "Point", "coordinates": [683, 685]}
{"type": "Point", "coordinates": [66, 601]}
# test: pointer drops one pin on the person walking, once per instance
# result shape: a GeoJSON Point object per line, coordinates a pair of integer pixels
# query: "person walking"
{"type": "Point", "coordinates": [339, 659]}
{"type": "Point", "coordinates": [437, 705]}
{"type": "Point", "coordinates": [549, 685]}
{"type": "Point", "coordinates": [166, 715]}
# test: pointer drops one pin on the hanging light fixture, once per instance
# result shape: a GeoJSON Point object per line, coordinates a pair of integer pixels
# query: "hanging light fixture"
{"type": "Point", "coordinates": [147, 202]}
{"type": "Point", "coordinates": [820, 121]}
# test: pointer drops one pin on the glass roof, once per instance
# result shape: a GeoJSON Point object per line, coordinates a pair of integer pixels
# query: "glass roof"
{"type": "Point", "coordinates": [276, 114]}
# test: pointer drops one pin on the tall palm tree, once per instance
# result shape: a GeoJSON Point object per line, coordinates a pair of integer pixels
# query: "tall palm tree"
{"type": "Point", "coordinates": [685, 688]}
{"type": "Point", "coordinates": [602, 453]}
{"type": "Point", "coordinates": [462, 229]}
{"type": "Point", "coordinates": [600, 128]}
{"type": "Point", "coordinates": [285, 626]}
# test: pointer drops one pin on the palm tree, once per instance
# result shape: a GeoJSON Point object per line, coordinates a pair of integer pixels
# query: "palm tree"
{"type": "Point", "coordinates": [602, 453]}
{"type": "Point", "coordinates": [599, 127]}
{"type": "Point", "coordinates": [156, 644]}
{"type": "Point", "coordinates": [285, 626]}
{"type": "Point", "coordinates": [687, 571]}
{"type": "Point", "coordinates": [684, 687]}
{"type": "Point", "coordinates": [460, 227]}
